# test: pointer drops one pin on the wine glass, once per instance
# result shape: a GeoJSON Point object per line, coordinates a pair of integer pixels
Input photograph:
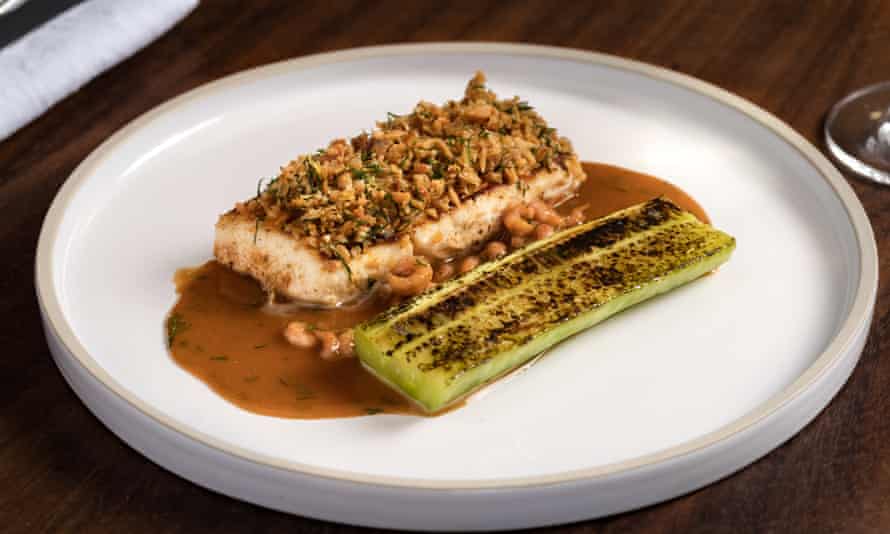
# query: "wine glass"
{"type": "Point", "coordinates": [857, 132]}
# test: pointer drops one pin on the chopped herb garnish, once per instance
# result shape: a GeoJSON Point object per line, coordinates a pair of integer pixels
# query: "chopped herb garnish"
{"type": "Point", "coordinates": [522, 186]}
{"type": "Point", "coordinates": [303, 392]}
{"type": "Point", "coordinates": [390, 118]}
{"type": "Point", "coordinates": [340, 196]}
{"type": "Point", "coordinates": [220, 358]}
{"type": "Point", "coordinates": [373, 411]}
{"type": "Point", "coordinates": [260, 346]}
{"type": "Point", "coordinates": [437, 171]}
{"type": "Point", "coordinates": [312, 174]}
{"type": "Point", "coordinates": [176, 325]}
{"type": "Point", "coordinates": [343, 262]}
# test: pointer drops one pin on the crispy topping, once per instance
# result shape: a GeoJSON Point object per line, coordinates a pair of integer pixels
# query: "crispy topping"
{"type": "Point", "coordinates": [410, 169]}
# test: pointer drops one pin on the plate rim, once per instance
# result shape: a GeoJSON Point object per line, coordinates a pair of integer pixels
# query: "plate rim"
{"type": "Point", "coordinates": [860, 309]}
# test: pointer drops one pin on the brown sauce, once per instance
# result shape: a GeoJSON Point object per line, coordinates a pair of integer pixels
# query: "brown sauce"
{"type": "Point", "coordinates": [609, 188]}
{"type": "Point", "coordinates": [228, 341]}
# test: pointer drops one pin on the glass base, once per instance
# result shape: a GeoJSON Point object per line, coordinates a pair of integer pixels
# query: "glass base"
{"type": "Point", "coordinates": [857, 132]}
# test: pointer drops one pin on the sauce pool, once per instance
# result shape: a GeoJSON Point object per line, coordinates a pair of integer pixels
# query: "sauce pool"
{"type": "Point", "coordinates": [224, 338]}
{"type": "Point", "coordinates": [609, 188]}
{"type": "Point", "coordinates": [239, 350]}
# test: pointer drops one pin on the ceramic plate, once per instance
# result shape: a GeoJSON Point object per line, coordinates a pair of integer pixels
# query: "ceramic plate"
{"type": "Point", "coordinates": [658, 401]}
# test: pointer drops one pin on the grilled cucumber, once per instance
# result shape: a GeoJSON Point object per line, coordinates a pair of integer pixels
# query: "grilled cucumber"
{"type": "Point", "coordinates": [455, 338]}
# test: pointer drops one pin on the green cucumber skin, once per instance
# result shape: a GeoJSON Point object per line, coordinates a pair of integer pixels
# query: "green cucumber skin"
{"type": "Point", "coordinates": [389, 344]}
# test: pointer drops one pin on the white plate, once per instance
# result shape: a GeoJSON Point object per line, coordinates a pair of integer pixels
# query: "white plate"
{"type": "Point", "coordinates": [663, 399]}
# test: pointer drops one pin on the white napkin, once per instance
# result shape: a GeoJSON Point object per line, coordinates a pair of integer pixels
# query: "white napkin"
{"type": "Point", "coordinates": [59, 57]}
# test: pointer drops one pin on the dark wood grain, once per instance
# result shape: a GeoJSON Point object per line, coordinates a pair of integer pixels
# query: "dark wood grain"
{"type": "Point", "coordinates": [61, 470]}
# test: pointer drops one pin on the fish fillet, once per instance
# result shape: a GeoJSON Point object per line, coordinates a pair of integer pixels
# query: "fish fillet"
{"type": "Point", "coordinates": [433, 183]}
{"type": "Point", "coordinates": [291, 268]}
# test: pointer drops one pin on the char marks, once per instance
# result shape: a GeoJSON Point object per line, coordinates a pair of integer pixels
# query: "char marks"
{"type": "Point", "coordinates": [496, 309]}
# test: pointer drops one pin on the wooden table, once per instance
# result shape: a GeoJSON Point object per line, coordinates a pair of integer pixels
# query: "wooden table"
{"type": "Point", "coordinates": [62, 470]}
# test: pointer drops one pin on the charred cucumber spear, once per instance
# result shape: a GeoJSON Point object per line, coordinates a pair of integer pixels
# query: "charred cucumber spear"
{"type": "Point", "coordinates": [455, 338]}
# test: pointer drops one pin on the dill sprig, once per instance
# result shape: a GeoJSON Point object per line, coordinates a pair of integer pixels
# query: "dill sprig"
{"type": "Point", "coordinates": [176, 325]}
{"type": "Point", "coordinates": [333, 251]}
